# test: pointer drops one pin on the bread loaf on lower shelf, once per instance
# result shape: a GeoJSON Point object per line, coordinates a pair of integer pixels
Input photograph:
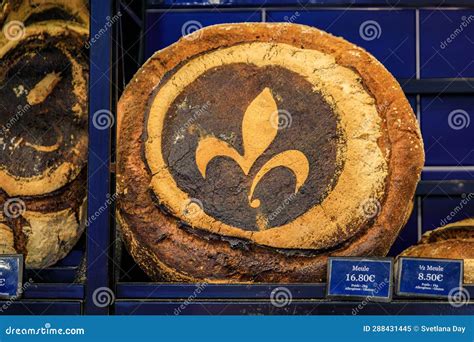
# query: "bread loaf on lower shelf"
{"type": "Point", "coordinates": [453, 241]}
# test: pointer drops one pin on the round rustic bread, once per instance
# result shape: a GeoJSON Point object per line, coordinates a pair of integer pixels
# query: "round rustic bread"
{"type": "Point", "coordinates": [43, 89]}
{"type": "Point", "coordinates": [453, 241]}
{"type": "Point", "coordinates": [252, 152]}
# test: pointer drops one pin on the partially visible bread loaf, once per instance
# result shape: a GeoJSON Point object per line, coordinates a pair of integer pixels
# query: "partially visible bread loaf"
{"type": "Point", "coordinates": [43, 129]}
{"type": "Point", "coordinates": [33, 11]}
{"type": "Point", "coordinates": [453, 241]}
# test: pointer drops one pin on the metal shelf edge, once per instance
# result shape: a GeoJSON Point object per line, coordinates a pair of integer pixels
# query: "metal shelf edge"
{"type": "Point", "coordinates": [54, 291]}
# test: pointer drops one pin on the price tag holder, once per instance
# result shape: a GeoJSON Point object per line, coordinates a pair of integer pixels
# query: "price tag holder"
{"type": "Point", "coordinates": [11, 276]}
{"type": "Point", "coordinates": [360, 278]}
{"type": "Point", "coordinates": [428, 277]}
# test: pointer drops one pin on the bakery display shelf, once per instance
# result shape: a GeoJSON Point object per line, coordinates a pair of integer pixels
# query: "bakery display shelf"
{"type": "Point", "coordinates": [42, 307]}
{"type": "Point", "coordinates": [164, 291]}
{"type": "Point", "coordinates": [438, 86]}
{"type": "Point", "coordinates": [52, 285]}
{"type": "Point", "coordinates": [213, 291]}
{"type": "Point", "coordinates": [54, 291]}
{"type": "Point", "coordinates": [309, 3]}
{"type": "Point", "coordinates": [296, 307]}
{"type": "Point", "coordinates": [445, 187]}
{"type": "Point", "coordinates": [46, 299]}
{"type": "Point", "coordinates": [136, 294]}
{"type": "Point", "coordinates": [134, 286]}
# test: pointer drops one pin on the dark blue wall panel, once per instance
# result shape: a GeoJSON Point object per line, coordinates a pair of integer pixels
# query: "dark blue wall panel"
{"type": "Point", "coordinates": [447, 130]}
{"type": "Point", "coordinates": [446, 43]}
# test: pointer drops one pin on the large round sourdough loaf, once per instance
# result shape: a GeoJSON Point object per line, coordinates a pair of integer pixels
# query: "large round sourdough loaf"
{"type": "Point", "coordinates": [43, 138]}
{"type": "Point", "coordinates": [453, 241]}
{"type": "Point", "coordinates": [252, 152]}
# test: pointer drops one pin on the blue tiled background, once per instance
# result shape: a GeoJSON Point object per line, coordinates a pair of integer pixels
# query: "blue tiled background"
{"type": "Point", "coordinates": [447, 141]}
{"type": "Point", "coordinates": [411, 43]}
{"type": "Point", "coordinates": [439, 57]}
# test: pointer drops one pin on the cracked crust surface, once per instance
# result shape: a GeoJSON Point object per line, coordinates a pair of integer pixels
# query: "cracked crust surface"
{"type": "Point", "coordinates": [167, 249]}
